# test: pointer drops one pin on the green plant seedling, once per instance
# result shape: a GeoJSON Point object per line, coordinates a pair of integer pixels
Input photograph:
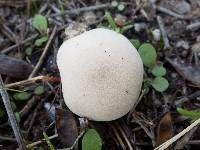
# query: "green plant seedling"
{"type": "Point", "coordinates": [136, 43]}
{"type": "Point", "coordinates": [91, 140]}
{"type": "Point", "coordinates": [160, 84]}
{"type": "Point", "coordinates": [158, 71]}
{"type": "Point", "coordinates": [40, 23]}
{"type": "Point", "coordinates": [195, 114]}
{"type": "Point", "coordinates": [148, 55]}
{"type": "Point", "coordinates": [51, 147]}
{"type": "Point", "coordinates": [22, 96]}
{"type": "Point", "coordinates": [39, 42]}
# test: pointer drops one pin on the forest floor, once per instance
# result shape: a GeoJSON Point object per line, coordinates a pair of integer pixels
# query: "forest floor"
{"type": "Point", "coordinates": [31, 33]}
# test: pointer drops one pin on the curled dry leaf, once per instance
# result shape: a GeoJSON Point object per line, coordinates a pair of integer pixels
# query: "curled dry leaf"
{"type": "Point", "coordinates": [187, 71]}
{"type": "Point", "coordinates": [14, 67]}
{"type": "Point", "coordinates": [66, 127]}
{"type": "Point", "coordinates": [165, 129]}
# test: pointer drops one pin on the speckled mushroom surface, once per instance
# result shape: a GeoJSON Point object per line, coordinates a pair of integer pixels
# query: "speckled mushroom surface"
{"type": "Point", "coordinates": [101, 74]}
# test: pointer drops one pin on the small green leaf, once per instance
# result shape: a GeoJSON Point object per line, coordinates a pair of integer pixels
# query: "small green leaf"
{"type": "Point", "coordinates": [22, 96]}
{"type": "Point", "coordinates": [160, 84]}
{"type": "Point", "coordinates": [39, 90]}
{"type": "Point", "coordinates": [91, 140]}
{"type": "Point", "coordinates": [48, 141]}
{"type": "Point", "coordinates": [41, 148]}
{"type": "Point", "coordinates": [41, 41]}
{"type": "Point", "coordinates": [1, 112]}
{"type": "Point", "coordinates": [135, 42]}
{"type": "Point", "coordinates": [148, 54]}
{"type": "Point", "coordinates": [121, 7]}
{"type": "Point", "coordinates": [111, 21]}
{"type": "Point", "coordinates": [14, 107]}
{"type": "Point", "coordinates": [195, 114]}
{"type": "Point", "coordinates": [28, 50]}
{"type": "Point", "coordinates": [40, 23]}
{"type": "Point", "coordinates": [18, 118]}
{"type": "Point", "coordinates": [158, 71]}
{"type": "Point", "coordinates": [114, 3]}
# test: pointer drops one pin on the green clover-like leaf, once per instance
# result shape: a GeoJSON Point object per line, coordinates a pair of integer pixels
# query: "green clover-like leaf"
{"type": "Point", "coordinates": [148, 54]}
{"type": "Point", "coordinates": [41, 41]}
{"type": "Point", "coordinates": [40, 23]}
{"type": "Point", "coordinates": [158, 71]}
{"type": "Point", "coordinates": [91, 140]}
{"type": "Point", "coordinates": [160, 84]}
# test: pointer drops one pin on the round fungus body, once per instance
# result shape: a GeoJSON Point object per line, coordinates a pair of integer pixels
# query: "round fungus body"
{"type": "Point", "coordinates": [101, 74]}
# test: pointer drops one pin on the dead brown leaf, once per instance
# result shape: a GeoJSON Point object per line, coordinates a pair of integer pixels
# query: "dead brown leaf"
{"type": "Point", "coordinates": [165, 129]}
{"type": "Point", "coordinates": [66, 127]}
{"type": "Point", "coordinates": [14, 67]}
{"type": "Point", "coordinates": [187, 71]}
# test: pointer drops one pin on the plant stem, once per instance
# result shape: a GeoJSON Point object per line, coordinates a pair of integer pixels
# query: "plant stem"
{"type": "Point", "coordinates": [11, 116]}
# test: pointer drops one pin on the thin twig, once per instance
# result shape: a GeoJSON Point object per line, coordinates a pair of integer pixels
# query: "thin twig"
{"type": "Point", "coordinates": [79, 10]}
{"type": "Point", "coordinates": [25, 110]}
{"type": "Point", "coordinates": [8, 32]}
{"type": "Point", "coordinates": [34, 116]}
{"type": "Point", "coordinates": [117, 136]}
{"type": "Point", "coordinates": [124, 136]}
{"type": "Point", "coordinates": [27, 82]}
{"type": "Point", "coordinates": [40, 62]}
{"type": "Point", "coordinates": [169, 12]}
{"type": "Point", "coordinates": [186, 98]}
{"type": "Point", "coordinates": [163, 32]}
{"type": "Point", "coordinates": [41, 141]}
{"type": "Point", "coordinates": [193, 26]}
{"type": "Point", "coordinates": [143, 12]}
{"type": "Point", "coordinates": [11, 116]}
{"type": "Point", "coordinates": [7, 50]}
{"type": "Point", "coordinates": [184, 140]}
{"type": "Point", "coordinates": [7, 138]}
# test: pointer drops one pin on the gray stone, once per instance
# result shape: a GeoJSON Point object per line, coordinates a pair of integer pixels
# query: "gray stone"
{"type": "Point", "coordinates": [182, 7]}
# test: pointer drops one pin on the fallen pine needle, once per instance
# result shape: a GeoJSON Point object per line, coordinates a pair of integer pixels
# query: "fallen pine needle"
{"type": "Point", "coordinates": [32, 80]}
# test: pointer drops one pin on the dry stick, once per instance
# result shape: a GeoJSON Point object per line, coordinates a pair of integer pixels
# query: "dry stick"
{"type": "Point", "coordinates": [176, 137]}
{"type": "Point", "coordinates": [163, 32]}
{"type": "Point", "coordinates": [7, 50]}
{"type": "Point", "coordinates": [184, 140]}
{"type": "Point", "coordinates": [8, 32]}
{"type": "Point", "coordinates": [124, 136]}
{"type": "Point", "coordinates": [40, 62]}
{"type": "Point", "coordinates": [195, 25]}
{"type": "Point", "coordinates": [169, 12]}
{"type": "Point", "coordinates": [194, 142]}
{"type": "Point", "coordinates": [187, 98]}
{"type": "Point", "coordinates": [117, 136]}
{"type": "Point", "coordinates": [79, 10]}
{"type": "Point", "coordinates": [11, 116]}
{"type": "Point", "coordinates": [41, 141]}
{"type": "Point", "coordinates": [143, 12]}
{"type": "Point", "coordinates": [27, 82]}
{"type": "Point", "coordinates": [7, 138]}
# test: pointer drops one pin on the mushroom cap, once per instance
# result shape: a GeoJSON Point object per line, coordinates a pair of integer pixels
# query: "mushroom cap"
{"type": "Point", "coordinates": [101, 74]}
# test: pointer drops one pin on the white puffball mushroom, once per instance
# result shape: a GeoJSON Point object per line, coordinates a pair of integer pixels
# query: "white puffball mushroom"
{"type": "Point", "coordinates": [101, 74]}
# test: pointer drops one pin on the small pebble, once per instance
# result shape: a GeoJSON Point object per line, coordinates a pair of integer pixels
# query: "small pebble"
{"type": "Point", "coordinates": [196, 47]}
{"type": "Point", "coordinates": [140, 26]}
{"type": "Point", "coordinates": [156, 34]}
{"type": "Point", "coordinates": [182, 7]}
{"type": "Point", "coordinates": [182, 44]}
{"type": "Point", "coordinates": [89, 17]}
